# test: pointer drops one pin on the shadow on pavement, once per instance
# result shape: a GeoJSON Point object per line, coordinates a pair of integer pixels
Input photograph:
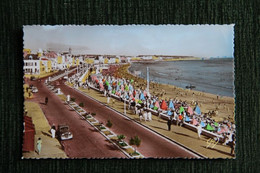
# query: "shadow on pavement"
{"type": "Point", "coordinates": [111, 147]}
{"type": "Point", "coordinates": [214, 149]}
{"type": "Point", "coordinates": [159, 128]}
{"type": "Point", "coordinates": [46, 134]}
{"type": "Point", "coordinates": [93, 130]}
{"type": "Point", "coordinates": [185, 135]}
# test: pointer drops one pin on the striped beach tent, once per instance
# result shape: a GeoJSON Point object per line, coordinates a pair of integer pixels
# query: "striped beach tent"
{"type": "Point", "coordinates": [190, 111]}
{"type": "Point", "coordinates": [181, 109]}
{"type": "Point", "coordinates": [194, 122]}
{"type": "Point", "coordinates": [197, 110]}
{"type": "Point", "coordinates": [164, 105]}
{"type": "Point", "coordinates": [209, 127]}
{"type": "Point", "coordinates": [171, 105]}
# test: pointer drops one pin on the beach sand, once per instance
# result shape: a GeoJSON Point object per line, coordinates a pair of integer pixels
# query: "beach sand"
{"type": "Point", "coordinates": [222, 106]}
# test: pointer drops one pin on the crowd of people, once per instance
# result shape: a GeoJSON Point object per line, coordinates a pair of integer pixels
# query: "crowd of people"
{"type": "Point", "coordinates": [143, 103]}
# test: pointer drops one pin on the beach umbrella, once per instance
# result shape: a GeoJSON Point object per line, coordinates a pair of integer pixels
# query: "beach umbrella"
{"type": "Point", "coordinates": [197, 110]}
{"type": "Point", "coordinates": [140, 101]}
{"type": "Point", "coordinates": [114, 91]}
{"type": "Point", "coordinates": [107, 83]}
{"type": "Point", "coordinates": [109, 88]}
{"type": "Point", "coordinates": [164, 105]}
{"type": "Point", "coordinates": [155, 108]}
{"type": "Point", "coordinates": [119, 83]}
{"type": "Point", "coordinates": [151, 106]}
{"type": "Point", "coordinates": [132, 81]}
{"type": "Point", "coordinates": [171, 106]}
{"type": "Point", "coordinates": [180, 117]}
{"type": "Point", "coordinates": [209, 127]}
{"type": "Point", "coordinates": [117, 88]}
{"type": "Point", "coordinates": [190, 111]}
{"type": "Point", "coordinates": [194, 122]}
{"type": "Point", "coordinates": [181, 109]}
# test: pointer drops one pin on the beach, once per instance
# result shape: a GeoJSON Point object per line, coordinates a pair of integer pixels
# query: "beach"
{"type": "Point", "coordinates": [223, 106]}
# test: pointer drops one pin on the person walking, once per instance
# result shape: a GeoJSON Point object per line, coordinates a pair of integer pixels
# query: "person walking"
{"type": "Point", "coordinates": [46, 100]}
{"type": "Point", "coordinates": [53, 132]}
{"type": "Point", "coordinates": [169, 123]}
{"type": "Point", "coordinates": [39, 145]}
{"type": "Point", "coordinates": [108, 98]}
{"type": "Point", "coordinates": [199, 130]}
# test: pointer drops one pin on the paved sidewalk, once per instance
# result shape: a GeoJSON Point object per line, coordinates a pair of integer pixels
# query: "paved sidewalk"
{"type": "Point", "coordinates": [51, 147]}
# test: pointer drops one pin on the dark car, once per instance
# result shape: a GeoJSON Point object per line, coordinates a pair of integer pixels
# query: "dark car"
{"type": "Point", "coordinates": [63, 132]}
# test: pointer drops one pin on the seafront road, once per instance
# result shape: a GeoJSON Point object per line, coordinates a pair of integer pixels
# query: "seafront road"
{"type": "Point", "coordinates": [88, 143]}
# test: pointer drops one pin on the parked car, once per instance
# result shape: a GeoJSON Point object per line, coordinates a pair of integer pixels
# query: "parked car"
{"type": "Point", "coordinates": [34, 89]}
{"type": "Point", "coordinates": [63, 132]}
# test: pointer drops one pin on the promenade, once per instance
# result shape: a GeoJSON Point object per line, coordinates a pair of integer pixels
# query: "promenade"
{"type": "Point", "coordinates": [51, 147]}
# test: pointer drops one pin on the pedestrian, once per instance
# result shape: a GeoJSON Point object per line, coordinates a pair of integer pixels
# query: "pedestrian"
{"type": "Point", "coordinates": [53, 131]}
{"type": "Point", "coordinates": [108, 98]}
{"type": "Point", "coordinates": [199, 130]}
{"type": "Point", "coordinates": [232, 145]}
{"type": "Point", "coordinates": [68, 98]}
{"type": "Point", "coordinates": [46, 100]}
{"type": "Point", "coordinates": [39, 145]}
{"type": "Point", "coordinates": [169, 123]}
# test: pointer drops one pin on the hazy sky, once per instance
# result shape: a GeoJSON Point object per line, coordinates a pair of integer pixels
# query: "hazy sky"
{"type": "Point", "coordinates": [194, 40]}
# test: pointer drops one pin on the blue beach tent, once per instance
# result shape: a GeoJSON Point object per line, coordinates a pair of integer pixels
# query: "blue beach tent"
{"type": "Point", "coordinates": [169, 113]}
{"type": "Point", "coordinates": [197, 110]}
{"type": "Point", "coordinates": [171, 105]}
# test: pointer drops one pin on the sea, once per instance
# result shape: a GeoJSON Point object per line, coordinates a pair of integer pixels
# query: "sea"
{"type": "Point", "coordinates": [214, 76]}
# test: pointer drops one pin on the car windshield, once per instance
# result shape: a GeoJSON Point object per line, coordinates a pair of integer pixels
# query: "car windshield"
{"type": "Point", "coordinates": [64, 129]}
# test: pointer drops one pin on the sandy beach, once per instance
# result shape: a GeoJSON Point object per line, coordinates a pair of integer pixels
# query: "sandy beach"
{"type": "Point", "coordinates": [222, 106]}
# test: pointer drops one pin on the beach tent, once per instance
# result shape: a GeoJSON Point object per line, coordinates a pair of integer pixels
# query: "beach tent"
{"type": "Point", "coordinates": [202, 124]}
{"type": "Point", "coordinates": [101, 85]}
{"type": "Point", "coordinates": [181, 109]}
{"type": "Point", "coordinates": [197, 110]}
{"type": "Point", "coordinates": [169, 113]}
{"type": "Point", "coordinates": [190, 111]}
{"type": "Point", "coordinates": [187, 119]}
{"type": "Point", "coordinates": [194, 122]}
{"type": "Point", "coordinates": [126, 88]}
{"type": "Point", "coordinates": [157, 104]}
{"type": "Point", "coordinates": [164, 105]}
{"type": "Point", "coordinates": [171, 105]}
{"type": "Point", "coordinates": [209, 127]}
{"type": "Point", "coordinates": [142, 96]}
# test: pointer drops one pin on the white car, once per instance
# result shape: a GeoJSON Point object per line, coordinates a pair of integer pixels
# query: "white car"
{"type": "Point", "coordinates": [34, 89]}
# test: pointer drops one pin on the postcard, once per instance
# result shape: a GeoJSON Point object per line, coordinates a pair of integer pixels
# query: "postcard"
{"type": "Point", "coordinates": [130, 91]}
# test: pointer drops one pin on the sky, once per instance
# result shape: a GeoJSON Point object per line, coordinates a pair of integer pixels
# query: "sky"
{"type": "Point", "coordinates": [133, 40]}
